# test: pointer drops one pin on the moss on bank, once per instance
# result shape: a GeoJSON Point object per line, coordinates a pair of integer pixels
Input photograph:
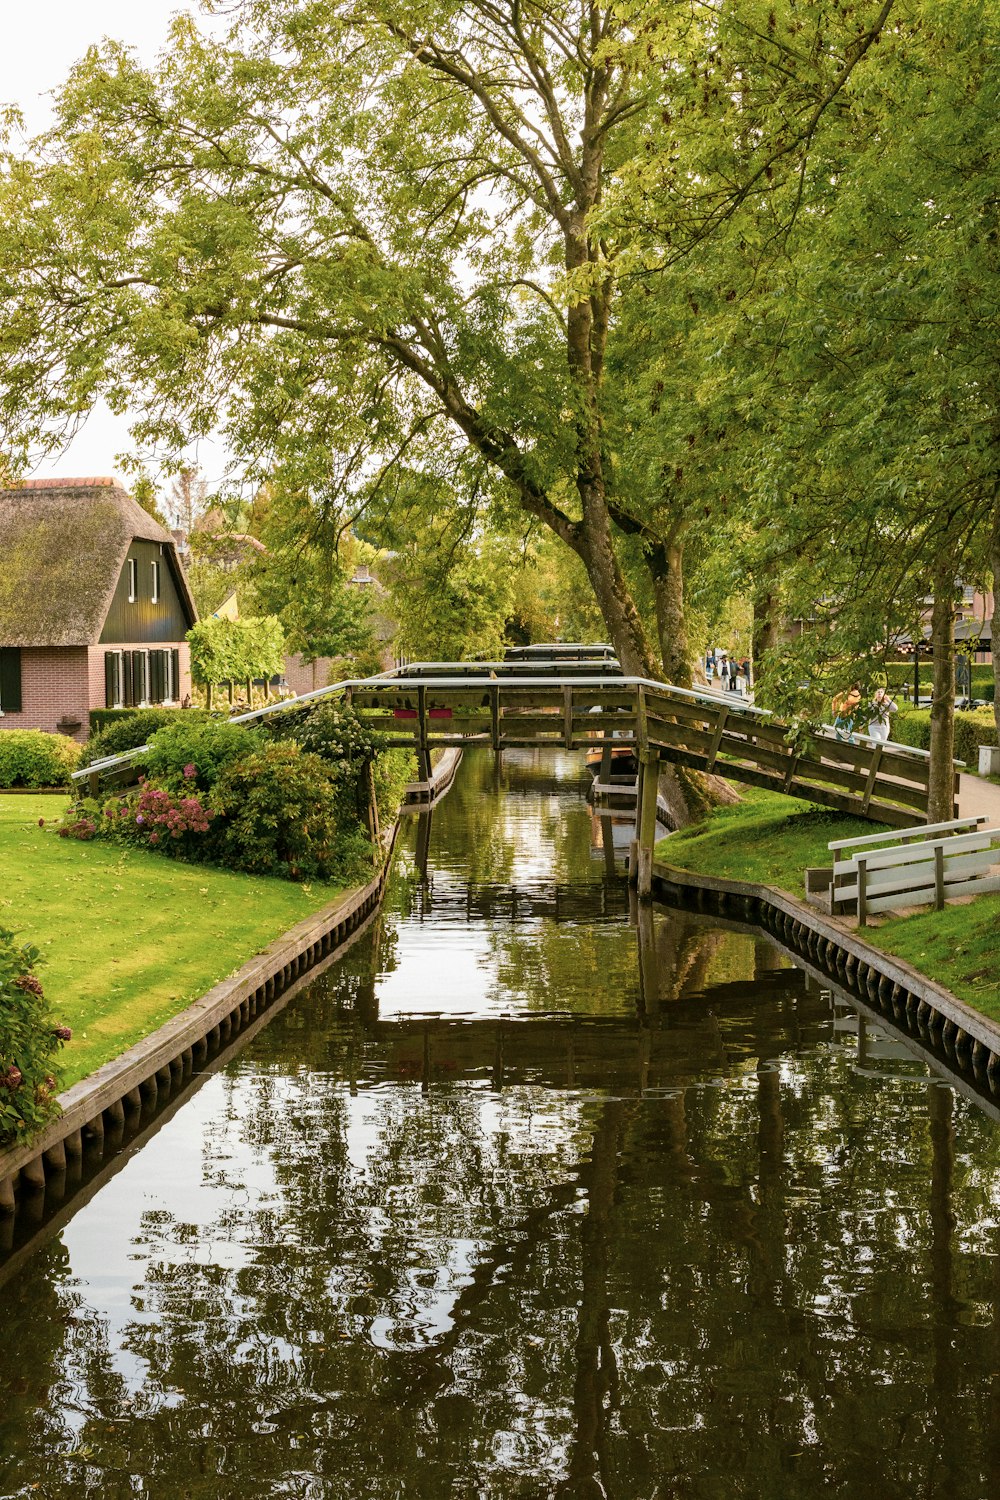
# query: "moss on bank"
{"type": "Point", "coordinates": [770, 839]}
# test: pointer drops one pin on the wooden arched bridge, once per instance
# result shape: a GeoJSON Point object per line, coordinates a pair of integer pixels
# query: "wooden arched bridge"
{"type": "Point", "coordinates": [585, 705]}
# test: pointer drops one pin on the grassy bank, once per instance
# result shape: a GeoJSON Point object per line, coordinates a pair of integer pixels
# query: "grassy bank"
{"type": "Point", "coordinates": [130, 938]}
{"type": "Point", "coordinates": [771, 839]}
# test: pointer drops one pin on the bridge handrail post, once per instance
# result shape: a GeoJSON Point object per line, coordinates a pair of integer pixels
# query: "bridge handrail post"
{"type": "Point", "coordinates": [650, 765]}
{"type": "Point", "coordinates": [423, 750]}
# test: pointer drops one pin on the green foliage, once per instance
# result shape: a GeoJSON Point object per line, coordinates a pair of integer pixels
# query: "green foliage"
{"type": "Point", "coordinates": [331, 730]}
{"type": "Point", "coordinates": [301, 576]}
{"type": "Point", "coordinates": [236, 650]}
{"type": "Point", "coordinates": [392, 771]}
{"type": "Point", "coordinates": [30, 758]}
{"type": "Point", "coordinates": [279, 814]}
{"type": "Point", "coordinates": [191, 754]}
{"type": "Point", "coordinates": [132, 727]}
{"type": "Point", "coordinates": [973, 727]}
{"type": "Point", "coordinates": [100, 718]}
{"type": "Point", "coordinates": [29, 1042]}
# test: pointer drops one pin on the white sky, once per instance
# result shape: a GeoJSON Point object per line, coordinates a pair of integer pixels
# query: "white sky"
{"type": "Point", "coordinates": [41, 41]}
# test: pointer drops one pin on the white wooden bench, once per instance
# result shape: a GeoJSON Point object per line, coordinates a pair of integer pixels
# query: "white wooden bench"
{"type": "Point", "coordinates": [930, 863]}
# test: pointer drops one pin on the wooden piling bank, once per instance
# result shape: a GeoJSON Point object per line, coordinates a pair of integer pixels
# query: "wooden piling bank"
{"type": "Point", "coordinates": [97, 1111]}
{"type": "Point", "coordinates": [421, 795]}
{"type": "Point", "coordinates": [927, 1011]}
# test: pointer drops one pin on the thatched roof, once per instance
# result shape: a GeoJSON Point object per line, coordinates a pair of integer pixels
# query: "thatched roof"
{"type": "Point", "coordinates": [63, 544]}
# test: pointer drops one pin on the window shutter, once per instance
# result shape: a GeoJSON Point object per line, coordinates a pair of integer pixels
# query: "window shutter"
{"type": "Point", "coordinates": [157, 676]}
{"type": "Point", "coordinates": [139, 684]}
{"type": "Point", "coordinates": [10, 679]}
{"type": "Point", "coordinates": [128, 696]}
{"type": "Point", "coordinates": [112, 679]}
{"type": "Point", "coordinates": [175, 674]}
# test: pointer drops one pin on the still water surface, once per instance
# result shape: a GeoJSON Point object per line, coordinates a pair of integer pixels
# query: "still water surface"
{"type": "Point", "coordinates": [515, 1201]}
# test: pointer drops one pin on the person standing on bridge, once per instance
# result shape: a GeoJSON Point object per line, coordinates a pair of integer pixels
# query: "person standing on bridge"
{"type": "Point", "coordinates": [881, 707]}
{"type": "Point", "coordinates": [844, 708]}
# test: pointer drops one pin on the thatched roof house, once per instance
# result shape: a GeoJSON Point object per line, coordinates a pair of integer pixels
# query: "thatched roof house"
{"type": "Point", "coordinates": [94, 605]}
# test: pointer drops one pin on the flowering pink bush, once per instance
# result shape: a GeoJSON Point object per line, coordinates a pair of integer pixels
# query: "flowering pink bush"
{"type": "Point", "coordinates": [161, 814]}
{"type": "Point", "coordinates": [29, 1043]}
{"type": "Point", "coordinates": [81, 828]}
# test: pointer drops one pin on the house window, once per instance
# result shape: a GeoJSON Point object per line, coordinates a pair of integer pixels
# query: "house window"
{"type": "Point", "coordinates": [155, 596]}
{"type": "Point", "coordinates": [10, 679]}
{"type": "Point", "coordinates": [133, 583]}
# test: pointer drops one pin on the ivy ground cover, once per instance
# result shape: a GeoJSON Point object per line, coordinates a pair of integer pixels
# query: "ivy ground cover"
{"type": "Point", "coordinates": [127, 938]}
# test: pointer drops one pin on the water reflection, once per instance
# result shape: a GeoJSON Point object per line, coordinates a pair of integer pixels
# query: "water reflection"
{"type": "Point", "coordinates": [524, 1200]}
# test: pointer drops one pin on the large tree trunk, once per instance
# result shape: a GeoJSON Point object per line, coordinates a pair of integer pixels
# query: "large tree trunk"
{"type": "Point", "coordinates": [940, 805]}
{"type": "Point", "coordinates": [666, 568]}
{"type": "Point", "coordinates": [618, 609]}
{"type": "Point", "coordinates": [765, 620]}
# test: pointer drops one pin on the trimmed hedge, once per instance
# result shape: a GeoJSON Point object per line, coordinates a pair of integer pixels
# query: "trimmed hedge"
{"type": "Point", "coordinates": [898, 677]}
{"type": "Point", "coordinates": [32, 758]}
{"type": "Point", "coordinates": [973, 727]}
{"type": "Point", "coordinates": [132, 727]}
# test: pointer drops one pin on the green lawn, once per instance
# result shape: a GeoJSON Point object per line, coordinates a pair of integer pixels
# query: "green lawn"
{"type": "Point", "coordinates": [129, 938]}
{"type": "Point", "coordinates": [771, 839]}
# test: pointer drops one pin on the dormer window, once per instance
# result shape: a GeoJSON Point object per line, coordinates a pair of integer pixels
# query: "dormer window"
{"type": "Point", "coordinates": [155, 596]}
{"type": "Point", "coordinates": [133, 580]}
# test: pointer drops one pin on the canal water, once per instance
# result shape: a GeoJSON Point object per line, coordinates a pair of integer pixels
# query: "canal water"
{"type": "Point", "coordinates": [521, 1199]}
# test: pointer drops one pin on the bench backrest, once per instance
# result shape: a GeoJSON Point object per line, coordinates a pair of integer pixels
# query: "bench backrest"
{"type": "Point", "coordinates": [920, 831]}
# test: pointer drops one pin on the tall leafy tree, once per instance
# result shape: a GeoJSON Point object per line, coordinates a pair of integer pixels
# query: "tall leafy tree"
{"type": "Point", "coordinates": [360, 227]}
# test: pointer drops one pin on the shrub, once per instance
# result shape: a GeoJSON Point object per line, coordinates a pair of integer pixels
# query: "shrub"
{"type": "Point", "coordinates": [153, 818]}
{"type": "Point", "coordinates": [973, 727]}
{"type": "Point", "coordinates": [28, 757]}
{"type": "Point", "coordinates": [280, 815]}
{"type": "Point", "coordinates": [191, 754]}
{"type": "Point", "coordinates": [332, 731]}
{"type": "Point", "coordinates": [29, 1041]}
{"type": "Point", "coordinates": [132, 727]}
{"type": "Point", "coordinates": [393, 771]}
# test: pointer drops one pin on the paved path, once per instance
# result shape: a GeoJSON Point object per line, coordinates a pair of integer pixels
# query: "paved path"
{"type": "Point", "coordinates": [978, 797]}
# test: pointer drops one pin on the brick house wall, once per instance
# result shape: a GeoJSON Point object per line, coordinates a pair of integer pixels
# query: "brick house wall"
{"type": "Point", "coordinates": [54, 686]}
{"type": "Point", "coordinates": [66, 682]}
{"type": "Point", "coordinates": [305, 677]}
{"type": "Point", "coordinates": [97, 654]}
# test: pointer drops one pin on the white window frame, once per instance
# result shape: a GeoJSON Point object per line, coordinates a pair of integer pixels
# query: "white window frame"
{"type": "Point", "coordinates": [155, 596]}
{"type": "Point", "coordinates": [133, 580]}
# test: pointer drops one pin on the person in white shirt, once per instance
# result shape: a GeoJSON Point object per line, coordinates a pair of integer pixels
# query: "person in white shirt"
{"type": "Point", "coordinates": [881, 707]}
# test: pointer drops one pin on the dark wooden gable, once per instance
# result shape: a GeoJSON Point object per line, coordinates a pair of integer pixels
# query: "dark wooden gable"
{"type": "Point", "coordinates": [141, 619]}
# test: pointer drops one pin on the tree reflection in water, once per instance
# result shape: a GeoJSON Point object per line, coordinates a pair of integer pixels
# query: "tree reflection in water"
{"type": "Point", "coordinates": [521, 1200]}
